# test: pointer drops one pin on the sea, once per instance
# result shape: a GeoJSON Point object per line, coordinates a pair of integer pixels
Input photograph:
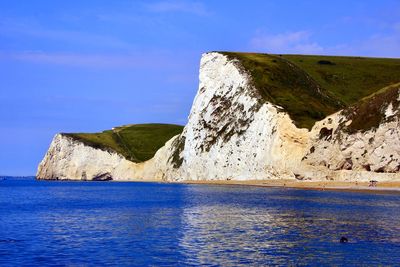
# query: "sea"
{"type": "Point", "coordinates": [58, 223]}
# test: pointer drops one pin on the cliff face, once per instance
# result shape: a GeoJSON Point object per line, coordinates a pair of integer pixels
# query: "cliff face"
{"type": "Point", "coordinates": [231, 133]}
{"type": "Point", "coordinates": [68, 159]}
{"type": "Point", "coordinates": [362, 141]}
{"type": "Point", "coordinates": [234, 133]}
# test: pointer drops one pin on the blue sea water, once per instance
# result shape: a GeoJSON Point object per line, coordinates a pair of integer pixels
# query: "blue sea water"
{"type": "Point", "coordinates": [151, 224]}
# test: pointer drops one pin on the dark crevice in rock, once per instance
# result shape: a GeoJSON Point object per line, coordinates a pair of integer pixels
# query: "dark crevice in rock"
{"type": "Point", "coordinates": [367, 167]}
{"type": "Point", "coordinates": [347, 164]}
{"type": "Point", "coordinates": [103, 177]}
{"type": "Point", "coordinates": [325, 133]}
{"type": "Point", "coordinates": [299, 176]}
{"type": "Point", "coordinates": [178, 145]}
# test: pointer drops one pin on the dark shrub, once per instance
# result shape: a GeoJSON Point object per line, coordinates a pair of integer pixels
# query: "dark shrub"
{"type": "Point", "coordinates": [325, 62]}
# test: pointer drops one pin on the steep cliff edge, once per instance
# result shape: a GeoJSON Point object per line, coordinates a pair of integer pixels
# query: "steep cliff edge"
{"type": "Point", "coordinates": [259, 116]}
{"type": "Point", "coordinates": [69, 159]}
{"type": "Point", "coordinates": [123, 153]}
{"type": "Point", "coordinates": [232, 133]}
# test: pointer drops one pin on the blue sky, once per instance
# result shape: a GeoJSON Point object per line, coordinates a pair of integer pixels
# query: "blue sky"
{"type": "Point", "coordinates": [85, 66]}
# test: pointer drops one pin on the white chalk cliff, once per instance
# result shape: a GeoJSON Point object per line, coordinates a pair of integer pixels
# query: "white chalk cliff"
{"type": "Point", "coordinates": [69, 159]}
{"type": "Point", "coordinates": [232, 134]}
{"type": "Point", "coordinates": [372, 154]}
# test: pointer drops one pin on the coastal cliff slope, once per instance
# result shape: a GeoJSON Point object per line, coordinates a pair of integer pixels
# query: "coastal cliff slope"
{"type": "Point", "coordinates": [118, 154]}
{"type": "Point", "coordinates": [69, 159]}
{"type": "Point", "coordinates": [260, 116]}
{"type": "Point", "coordinates": [361, 141]}
{"type": "Point", "coordinates": [232, 133]}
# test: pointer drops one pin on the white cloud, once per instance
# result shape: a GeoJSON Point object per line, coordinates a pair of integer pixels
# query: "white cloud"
{"type": "Point", "coordinates": [385, 44]}
{"type": "Point", "coordinates": [31, 28]}
{"type": "Point", "coordinates": [289, 42]}
{"type": "Point", "coordinates": [94, 61]}
{"type": "Point", "coordinates": [197, 8]}
{"type": "Point", "coordinates": [74, 59]}
{"type": "Point", "coordinates": [382, 45]}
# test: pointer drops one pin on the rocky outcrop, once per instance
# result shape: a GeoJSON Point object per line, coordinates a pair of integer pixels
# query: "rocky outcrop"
{"type": "Point", "coordinates": [68, 159]}
{"type": "Point", "coordinates": [234, 134]}
{"type": "Point", "coordinates": [346, 144]}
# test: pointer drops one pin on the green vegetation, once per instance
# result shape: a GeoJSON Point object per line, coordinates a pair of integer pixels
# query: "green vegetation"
{"type": "Point", "coordinates": [311, 87]}
{"type": "Point", "coordinates": [370, 111]}
{"type": "Point", "coordinates": [350, 78]}
{"type": "Point", "coordinates": [138, 142]}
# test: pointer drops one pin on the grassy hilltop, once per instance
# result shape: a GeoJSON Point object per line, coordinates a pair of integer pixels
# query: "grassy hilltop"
{"type": "Point", "coordinates": [138, 142]}
{"type": "Point", "coordinates": [311, 87]}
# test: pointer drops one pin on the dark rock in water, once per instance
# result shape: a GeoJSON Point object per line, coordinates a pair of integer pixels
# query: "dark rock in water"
{"type": "Point", "coordinates": [344, 239]}
{"type": "Point", "coordinates": [103, 177]}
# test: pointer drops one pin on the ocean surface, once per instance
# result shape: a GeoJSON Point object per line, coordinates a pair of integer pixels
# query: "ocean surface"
{"type": "Point", "coordinates": [150, 224]}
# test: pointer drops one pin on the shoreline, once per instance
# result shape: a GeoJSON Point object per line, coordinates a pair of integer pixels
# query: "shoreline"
{"type": "Point", "coordinates": [382, 187]}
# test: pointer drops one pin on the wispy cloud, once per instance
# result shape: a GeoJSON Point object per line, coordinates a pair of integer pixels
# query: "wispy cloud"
{"type": "Point", "coordinates": [376, 45]}
{"type": "Point", "coordinates": [383, 44]}
{"type": "Point", "coordinates": [289, 42]}
{"type": "Point", "coordinates": [94, 61]}
{"type": "Point", "coordinates": [31, 28]}
{"type": "Point", "coordinates": [196, 8]}
{"type": "Point", "coordinates": [75, 60]}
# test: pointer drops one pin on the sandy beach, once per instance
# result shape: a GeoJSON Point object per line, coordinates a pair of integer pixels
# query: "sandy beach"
{"type": "Point", "coordinates": [390, 186]}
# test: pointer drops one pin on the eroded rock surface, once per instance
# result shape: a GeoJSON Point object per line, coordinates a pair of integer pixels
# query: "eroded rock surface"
{"type": "Point", "coordinates": [376, 150]}
{"type": "Point", "coordinates": [68, 159]}
{"type": "Point", "coordinates": [231, 133]}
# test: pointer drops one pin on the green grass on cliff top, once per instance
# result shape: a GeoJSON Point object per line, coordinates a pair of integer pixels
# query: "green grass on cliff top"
{"type": "Point", "coordinates": [311, 87]}
{"type": "Point", "coordinates": [138, 142]}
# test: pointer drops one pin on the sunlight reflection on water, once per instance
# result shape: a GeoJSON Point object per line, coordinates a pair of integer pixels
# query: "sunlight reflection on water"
{"type": "Point", "coordinates": [271, 232]}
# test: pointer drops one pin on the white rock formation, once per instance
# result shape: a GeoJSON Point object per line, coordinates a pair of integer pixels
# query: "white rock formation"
{"type": "Point", "coordinates": [232, 134]}
{"type": "Point", "coordinates": [373, 154]}
{"type": "Point", "coordinates": [68, 159]}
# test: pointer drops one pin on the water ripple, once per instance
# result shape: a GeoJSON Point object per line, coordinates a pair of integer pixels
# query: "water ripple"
{"type": "Point", "coordinates": [142, 224]}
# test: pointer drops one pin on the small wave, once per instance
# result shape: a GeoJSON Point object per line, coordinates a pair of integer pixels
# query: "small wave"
{"type": "Point", "coordinates": [10, 240]}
